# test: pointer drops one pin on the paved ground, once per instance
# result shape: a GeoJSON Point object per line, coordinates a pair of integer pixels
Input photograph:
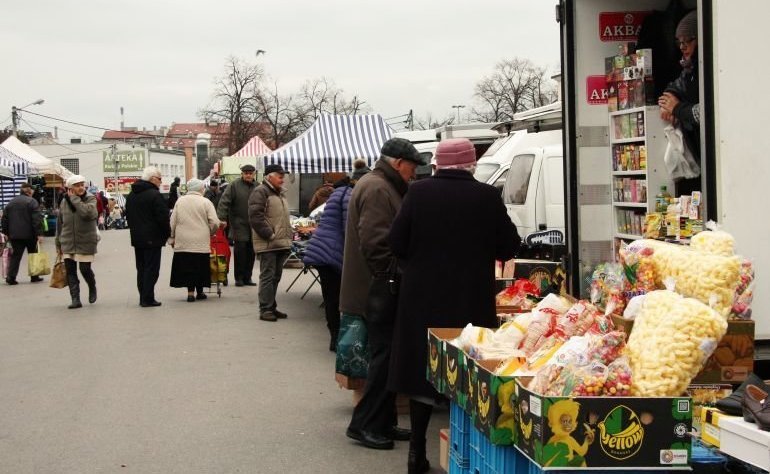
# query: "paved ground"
{"type": "Point", "coordinates": [183, 388]}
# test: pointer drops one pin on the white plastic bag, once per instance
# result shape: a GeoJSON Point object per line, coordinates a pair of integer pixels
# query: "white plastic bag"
{"type": "Point", "coordinates": [678, 158]}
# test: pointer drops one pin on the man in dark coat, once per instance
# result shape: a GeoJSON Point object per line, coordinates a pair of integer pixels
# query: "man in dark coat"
{"type": "Point", "coordinates": [23, 224]}
{"type": "Point", "coordinates": [447, 236]}
{"type": "Point", "coordinates": [233, 208]}
{"type": "Point", "coordinates": [213, 194]}
{"type": "Point", "coordinates": [173, 193]}
{"type": "Point", "coordinates": [373, 205]}
{"type": "Point", "coordinates": [148, 220]}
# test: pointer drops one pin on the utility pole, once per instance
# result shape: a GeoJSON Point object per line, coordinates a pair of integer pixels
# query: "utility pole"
{"type": "Point", "coordinates": [458, 107]}
{"type": "Point", "coordinates": [410, 120]}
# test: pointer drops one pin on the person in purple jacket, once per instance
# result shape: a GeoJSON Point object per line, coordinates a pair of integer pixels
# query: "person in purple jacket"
{"type": "Point", "coordinates": [325, 249]}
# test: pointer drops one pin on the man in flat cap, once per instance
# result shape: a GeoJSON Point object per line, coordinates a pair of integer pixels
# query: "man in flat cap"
{"type": "Point", "coordinates": [374, 203]}
{"type": "Point", "coordinates": [233, 208]}
{"type": "Point", "coordinates": [271, 234]}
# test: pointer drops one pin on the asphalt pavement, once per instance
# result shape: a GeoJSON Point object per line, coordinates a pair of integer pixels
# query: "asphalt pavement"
{"type": "Point", "coordinates": [202, 387]}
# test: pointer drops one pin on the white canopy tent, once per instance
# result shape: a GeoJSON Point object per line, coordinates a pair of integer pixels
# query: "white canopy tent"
{"type": "Point", "coordinates": [332, 143]}
{"type": "Point", "coordinates": [38, 163]}
{"type": "Point", "coordinates": [13, 172]}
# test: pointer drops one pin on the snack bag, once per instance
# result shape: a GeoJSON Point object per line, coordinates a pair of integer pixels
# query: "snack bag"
{"type": "Point", "coordinates": [744, 293]}
{"type": "Point", "coordinates": [606, 348]}
{"type": "Point", "coordinates": [584, 381]}
{"type": "Point", "coordinates": [576, 321]}
{"type": "Point", "coordinates": [549, 372]}
{"type": "Point", "coordinates": [523, 293]}
{"type": "Point", "coordinates": [714, 241]}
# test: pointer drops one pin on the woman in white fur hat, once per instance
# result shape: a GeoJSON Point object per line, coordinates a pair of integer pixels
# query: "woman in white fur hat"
{"type": "Point", "coordinates": [76, 237]}
{"type": "Point", "coordinates": [193, 222]}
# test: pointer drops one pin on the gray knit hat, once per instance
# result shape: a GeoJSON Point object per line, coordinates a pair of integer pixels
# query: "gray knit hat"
{"type": "Point", "coordinates": [688, 26]}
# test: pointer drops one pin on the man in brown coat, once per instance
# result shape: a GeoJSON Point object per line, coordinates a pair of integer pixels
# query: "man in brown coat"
{"type": "Point", "coordinates": [271, 234]}
{"type": "Point", "coordinates": [374, 204]}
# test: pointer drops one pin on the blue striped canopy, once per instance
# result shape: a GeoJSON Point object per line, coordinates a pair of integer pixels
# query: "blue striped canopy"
{"type": "Point", "coordinates": [332, 143]}
{"type": "Point", "coordinates": [19, 169]}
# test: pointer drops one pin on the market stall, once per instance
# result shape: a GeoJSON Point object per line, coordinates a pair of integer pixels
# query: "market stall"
{"type": "Point", "coordinates": [39, 164]}
{"type": "Point", "coordinates": [13, 172]}
{"type": "Point", "coordinates": [332, 143]}
{"type": "Point", "coordinates": [615, 381]}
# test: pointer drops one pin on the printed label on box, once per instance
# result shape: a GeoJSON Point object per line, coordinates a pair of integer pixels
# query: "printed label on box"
{"type": "Point", "coordinates": [673, 456]}
{"type": "Point", "coordinates": [535, 406]}
{"type": "Point", "coordinates": [735, 373]}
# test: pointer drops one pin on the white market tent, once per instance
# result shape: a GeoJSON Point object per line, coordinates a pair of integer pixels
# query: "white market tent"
{"type": "Point", "coordinates": [332, 143]}
{"type": "Point", "coordinates": [251, 154]}
{"type": "Point", "coordinates": [38, 163]}
{"type": "Point", "coordinates": [13, 172]}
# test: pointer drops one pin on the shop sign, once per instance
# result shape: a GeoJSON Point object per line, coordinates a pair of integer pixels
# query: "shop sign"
{"type": "Point", "coordinates": [128, 160]}
{"type": "Point", "coordinates": [621, 26]}
{"type": "Point", "coordinates": [124, 184]}
{"type": "Point", "coordinates": [596, 89]}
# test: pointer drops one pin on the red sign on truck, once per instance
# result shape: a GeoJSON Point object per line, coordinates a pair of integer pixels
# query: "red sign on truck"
{"type": "Point", "coordinates": [596, 89]}
{"type": "Point", "coordinates": [620, 26]}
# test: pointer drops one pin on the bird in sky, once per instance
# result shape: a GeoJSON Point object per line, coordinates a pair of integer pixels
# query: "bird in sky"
{"type": "Point", "coordinates": [260, 51]}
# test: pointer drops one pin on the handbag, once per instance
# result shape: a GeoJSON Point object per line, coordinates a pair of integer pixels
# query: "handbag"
{"type": "Point", "coordinates": [352, 347]}
{"type": "Point", "coordinates": [59, 274]}
{"type": "Point", "coordinates": [382, 300]}
{"type": "Point", "coordinates": [6, 259]}
{"type": "Point", "coordinates": [38, 263]}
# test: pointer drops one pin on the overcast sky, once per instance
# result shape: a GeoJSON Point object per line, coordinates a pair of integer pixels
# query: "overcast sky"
{"type": "Point", "coordinates": [158, 59]}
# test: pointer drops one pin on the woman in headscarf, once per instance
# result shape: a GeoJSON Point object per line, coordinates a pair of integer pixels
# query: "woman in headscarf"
{"type": "Point", "coordinates": [193, 222]}
{"type": "Point", "coordinates": [77, 237]}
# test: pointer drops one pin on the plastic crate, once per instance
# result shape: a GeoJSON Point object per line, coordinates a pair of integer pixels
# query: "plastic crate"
{"type": "Point", "coordinates": [459, 436]}
{"type": "Point", "coordinates": [457, 466]}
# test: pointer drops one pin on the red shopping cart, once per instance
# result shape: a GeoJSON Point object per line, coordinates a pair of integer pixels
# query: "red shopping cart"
{"type": "Point", "coordinates": [219, 263]}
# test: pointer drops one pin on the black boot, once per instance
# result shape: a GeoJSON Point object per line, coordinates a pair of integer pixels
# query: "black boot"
{"type": "Point", "coordinates": [73, 283]}
{"type": "Point", "coordinates": [419, 416]}
{"type": "Point", "coordinates": [333, 342]}
{"type": "Point", "coordinates": [75, 295]}
{"type": "Point", "coordinates": [90, 278]}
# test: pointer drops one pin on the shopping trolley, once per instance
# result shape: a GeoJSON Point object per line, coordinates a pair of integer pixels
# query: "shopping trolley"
{"type": "Point", "coordinates": [219, 260]}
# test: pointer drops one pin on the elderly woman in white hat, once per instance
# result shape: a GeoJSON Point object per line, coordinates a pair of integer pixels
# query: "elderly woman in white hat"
{"type": "Point", "coordinates": [193, 222]}
{"type": "Point", "coordinates": [77, 238]}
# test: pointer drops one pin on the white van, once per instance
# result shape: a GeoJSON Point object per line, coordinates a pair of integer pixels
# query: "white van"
{"type": "Point", "coordinates": [492, 167]}
{"type": "Point", "coordinates": [534, 188]}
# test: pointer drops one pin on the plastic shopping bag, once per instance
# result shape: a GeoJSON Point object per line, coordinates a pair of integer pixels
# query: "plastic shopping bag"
{"type": "Point", "coordinates": [678, 158]}
{"type": "Point", "coordinates": [38, 263]}
{"type": "Point", "coordinates": [6, 261]}
{"type": "Point", "coordinates": [352, 353]}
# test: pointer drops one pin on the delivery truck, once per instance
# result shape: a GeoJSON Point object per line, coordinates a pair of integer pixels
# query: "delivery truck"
{"type": "Point", "coordinates": [734, 142]}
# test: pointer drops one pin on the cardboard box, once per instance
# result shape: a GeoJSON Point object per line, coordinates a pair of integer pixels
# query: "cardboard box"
{"type": "Point", "coordinates": [705, 395]}
{"type": "Point", "coordinates": [710, 419]}
{"type": "Point", "coordinates": [733, 359]}
{"type": "Point", "coordinates": [437, 338]}
{"type": "Point", "coordinates": [542, 273]}
{"type": "Point", "coordinates": [443, 448]}
{"type": "Point", "coordinates": [745, 441]}
{"type": "Point", "coordinates": [349, 383]}
{"type": "Point", "coordinates": [627, 432]}
{"type": "Point", "coordinates": [493, 402]}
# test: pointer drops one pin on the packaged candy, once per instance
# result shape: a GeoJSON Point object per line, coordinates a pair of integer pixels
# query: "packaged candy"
{"type": "Point", "coordinates": [523, 293]}
{"type": "Point", "coordinates": [619, 379]}
{"type": "Point", "coordinates": [606, 348]}
{"type": "Point", "coordinates": [576, 321]}
{"type": "Point", "coordinates": [585, 381]}
{"type": "Point", "coordinates": [638, 269]}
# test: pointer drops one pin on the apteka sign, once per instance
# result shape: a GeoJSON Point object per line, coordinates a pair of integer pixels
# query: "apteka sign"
{"type": "Point", "coordinates": [621, 26]}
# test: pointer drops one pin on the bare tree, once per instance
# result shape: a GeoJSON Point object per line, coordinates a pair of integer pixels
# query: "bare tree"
{"type": "Point", "coordinates": [515, 85]}
{"type": "Point", "coordinates": [234, 101]}
{"type": "Point", "coordinates": [284, 115]}
{"type": "Point", "coordinates": [428, 121]}
{"type": "Point", "coordinates": [321, 96]}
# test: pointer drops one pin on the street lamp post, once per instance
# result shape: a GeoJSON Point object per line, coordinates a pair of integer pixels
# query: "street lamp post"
{"type": "Point", "coordinates": [15, 114]}
{"type": "Point", "coordinates": [458, 107]}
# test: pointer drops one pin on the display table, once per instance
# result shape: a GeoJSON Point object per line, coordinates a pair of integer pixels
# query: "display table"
{"type": "Point", "coordinates": [745, 441]}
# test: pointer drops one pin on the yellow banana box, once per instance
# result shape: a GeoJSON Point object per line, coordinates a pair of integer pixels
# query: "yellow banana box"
{"type": "Point", "coordinates": [603, 433]}
{"type": "Point", "coordinates": [492, 401]}
{"type": "Point", "coordinates": [436, 371]}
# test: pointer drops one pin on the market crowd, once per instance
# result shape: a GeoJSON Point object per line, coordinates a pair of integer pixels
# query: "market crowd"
{"type": "Point", "coordinates": [385, 250]}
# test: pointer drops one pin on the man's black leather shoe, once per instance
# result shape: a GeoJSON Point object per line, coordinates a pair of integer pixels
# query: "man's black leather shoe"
{"type": "Point", "coordinates": [150, 304]}
{"type": "Point", "coordinates": [35, 279]}
{"type": "Point", "coordinates": [370, 440]}
{"type": "Point", "coordinates": [249, 283]}
{"type": "Point", "coordinates": [238, 283]}
{"type": "Point", "coordinates": [400, 434]}
{"type": "Point", "coordinates": [732, 404]}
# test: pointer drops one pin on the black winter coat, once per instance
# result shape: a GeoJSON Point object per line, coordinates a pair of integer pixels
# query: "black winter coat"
{"type": "Point", "coordinates": [447, 236]}
{"type": "Point", "coordinates": [147, 214]}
